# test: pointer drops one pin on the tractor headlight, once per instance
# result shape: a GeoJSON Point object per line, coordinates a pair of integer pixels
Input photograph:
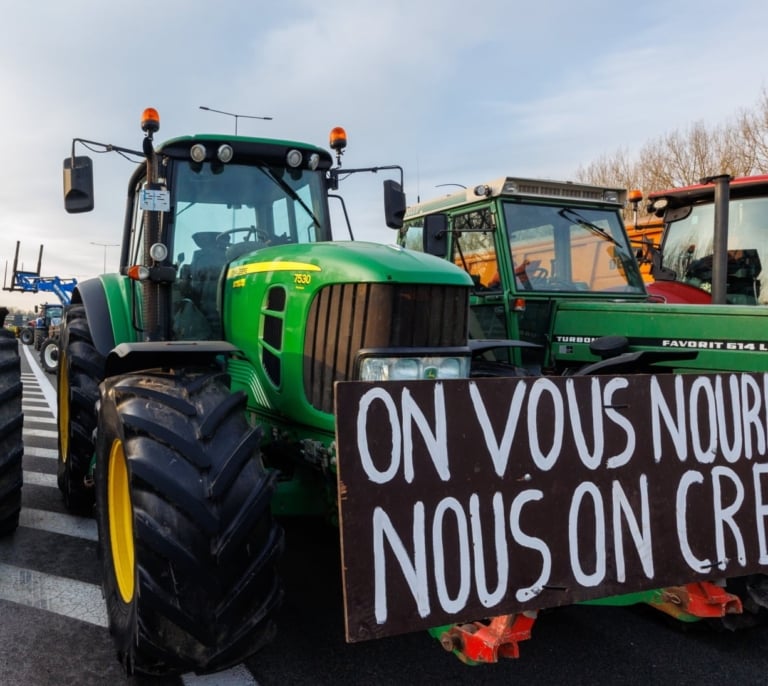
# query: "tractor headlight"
{"type": "Point", "coordinates": [197, 152]}
{"type": "Point", "coordinates": [413, 368]}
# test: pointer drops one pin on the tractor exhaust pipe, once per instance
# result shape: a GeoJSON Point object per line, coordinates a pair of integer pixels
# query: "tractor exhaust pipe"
{"type": "Point", "coordinates": [720, 244]}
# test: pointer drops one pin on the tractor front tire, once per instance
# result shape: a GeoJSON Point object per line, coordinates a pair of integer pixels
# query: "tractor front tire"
{"type": "Point", "coordinates": [11, 442]}
{"type": "Point", "coordinates": [188, 544]}
{"type": "Point", "coordinates": [27, 336]}
{"type": "Point", "coordinates": [49, 355]}
{"type": "Point", "coordinates": [80, 371]}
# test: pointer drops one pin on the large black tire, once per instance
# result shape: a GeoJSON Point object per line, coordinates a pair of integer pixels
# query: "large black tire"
{"type": "Point", "coordinates": [80, 371]}
{"type": "Point", "coordinates": [49, 355]}
{"type": "Point", "coordinates": [11, 442]}
{"type": "Point", "coordinates": [186, 537]}
{"type": "Point", "coordinates": [27, 336]}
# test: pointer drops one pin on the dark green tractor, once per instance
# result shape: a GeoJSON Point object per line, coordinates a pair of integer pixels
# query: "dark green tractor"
{"type": "Point", "coordinates": [195, 386]}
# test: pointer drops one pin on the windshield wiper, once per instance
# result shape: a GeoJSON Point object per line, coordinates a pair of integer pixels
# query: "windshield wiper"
{"type": "Point", "coordinates": [290, 192]}
{"type": "Point", "coordinates": [594, 228]}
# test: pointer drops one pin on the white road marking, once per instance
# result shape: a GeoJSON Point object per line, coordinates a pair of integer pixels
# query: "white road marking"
{"type": "Point", "coordinates": [34, 451]}
{"type": "Point", "coordinates": [40, 433]}
{"type": "Point", "coordinates": [67, 597]}
{"type": "Point", "coordinates": [57, 523]}
{"type": "Point", "coordinates": [35, 419]}
{"type": "Point", "coordinates": [40, 479]}
{"type": "Point", "coordinates": [42, 379]}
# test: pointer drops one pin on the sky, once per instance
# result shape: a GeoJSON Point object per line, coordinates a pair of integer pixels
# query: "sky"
{"type": "Point", "coordinates": [454, 92]}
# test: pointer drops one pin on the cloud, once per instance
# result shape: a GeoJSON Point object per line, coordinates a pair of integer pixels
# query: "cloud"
{"type": "Point", "coordinates": [454, 92]}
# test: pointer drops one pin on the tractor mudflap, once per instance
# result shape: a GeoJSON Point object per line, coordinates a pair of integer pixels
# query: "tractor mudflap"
{"type": "Point", "coordinates": [486, 642]}
{"type": "Point", "coordinates": [697, 600]}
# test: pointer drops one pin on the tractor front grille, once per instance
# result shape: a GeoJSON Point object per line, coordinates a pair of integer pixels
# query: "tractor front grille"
{"type": "Point", "coordinates": [345, 318]}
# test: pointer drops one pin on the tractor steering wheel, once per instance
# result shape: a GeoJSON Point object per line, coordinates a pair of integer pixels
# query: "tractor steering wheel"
{"type": "Point", "coordinates": [251, 234]}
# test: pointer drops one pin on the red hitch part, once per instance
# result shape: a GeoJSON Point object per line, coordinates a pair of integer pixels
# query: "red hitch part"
{"type": "Point", "coordinates": [488, 641]}
{"type": "Point", "coordinates": [700, 599]}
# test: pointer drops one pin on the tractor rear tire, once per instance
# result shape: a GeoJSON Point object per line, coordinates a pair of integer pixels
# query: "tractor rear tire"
{"type": "Point", "coordinates": [27, 336]}
{"type": "Point", "coordinates": [49, 355]}
{"type": "Point", "coordinates": [11, 442]}
{"type": "Point", "coordinates": [188, 544]}
{"type": "Point", "coordinates": [80, 371]}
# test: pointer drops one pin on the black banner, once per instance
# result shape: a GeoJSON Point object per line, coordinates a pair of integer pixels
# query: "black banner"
{"type": "Point", "coordinates": [465, 499]}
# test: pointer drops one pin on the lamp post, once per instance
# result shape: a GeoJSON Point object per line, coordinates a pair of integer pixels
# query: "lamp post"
{"type": "Point", "coordinates": [105, 246]}
{"type": "Point", "coordinates": [232, 114]}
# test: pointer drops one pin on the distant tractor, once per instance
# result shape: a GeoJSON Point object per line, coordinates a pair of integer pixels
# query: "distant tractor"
{"type": "Point", "coordinates": [712, 236]}
{"type": "Point", "coordinates": [43, 331]}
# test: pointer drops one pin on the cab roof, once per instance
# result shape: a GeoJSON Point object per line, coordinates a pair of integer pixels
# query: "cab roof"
{"type": "Point", "coordinates": [514, 187]}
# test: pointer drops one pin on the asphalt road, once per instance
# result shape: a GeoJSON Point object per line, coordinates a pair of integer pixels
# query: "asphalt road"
{"type": "Point", "coordinates": [53, 623]}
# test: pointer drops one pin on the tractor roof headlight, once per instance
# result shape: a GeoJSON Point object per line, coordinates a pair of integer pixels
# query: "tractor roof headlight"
{"type": "Point", "coordinates": [197, 152]}
{"type": "Point", "coordinates": [314, 161]}
{"type": "Point", "coordinates": [158, 252]}
{"type": "Point", "coordinates": [225, 153]}
{"type": "Point", "coordinates": [294, 158]}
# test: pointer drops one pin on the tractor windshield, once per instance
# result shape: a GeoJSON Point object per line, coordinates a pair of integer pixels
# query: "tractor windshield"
{"type": "Point", "coordinates": [688, 246]}
{"type": "Point", "coordinates": [222, 212]}
{"type": "Point", "coordinates": [570, 249]}
{"type": "Point", "coordinates": [239, 208]}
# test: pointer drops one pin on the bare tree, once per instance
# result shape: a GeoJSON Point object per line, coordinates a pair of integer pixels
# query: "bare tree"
{"type": "Point", "coordinates": [681, 158]}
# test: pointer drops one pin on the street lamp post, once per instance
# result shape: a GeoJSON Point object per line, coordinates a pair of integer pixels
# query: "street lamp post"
{"type": "Point", "coordinates": [232, 114]}
{"type": "Point", "coordinates": [105, 246]}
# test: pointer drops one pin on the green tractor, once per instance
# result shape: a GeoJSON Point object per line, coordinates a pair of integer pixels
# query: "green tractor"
{"type": "Point", "coordinates": [196, 386]}
{"type": "Point", "coordinates": [11, 421]}
{"type": "Point", "coordinates": [552, 266]}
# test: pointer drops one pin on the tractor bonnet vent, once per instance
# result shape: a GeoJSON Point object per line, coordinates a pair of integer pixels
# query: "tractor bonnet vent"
{"type": "Point", "coordinates": [345, 318]}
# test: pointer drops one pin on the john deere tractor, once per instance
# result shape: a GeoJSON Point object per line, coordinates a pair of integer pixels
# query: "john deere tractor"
{"type": "Point", "coordinates": [195, 386]}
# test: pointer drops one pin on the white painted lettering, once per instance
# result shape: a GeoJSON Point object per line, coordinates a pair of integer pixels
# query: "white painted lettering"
{"type": "Point", "coordinates": [681, 508]}
{"type": "Point", "coordinates": [447, 603]}
{"type": "Point", "coordinates": [703, 452]}
{"type": "Point", "coordinates": [554, 425]}
{"type": "Point", "coordinates": [574, 518]}
{"type": "Point", "coordinates": [675, 425]}
{"type": "Point", "coordinates": [641, 535]}
{"type": "Point", "coordinates": [414, 571]}
{"type": "Point", "coordinates": [437, 442]}
{"type": "Point", "coordinates": [489, 598]}
{"type": "Point", "coordinates": [378, 477]}
{"type": "Point", "coordinates": [531, 542]}
{"type": "Point", "coordinates": [499, 451]}
{"type": "Point", "coordinates": [761, 511]}
{"type": "Point", "coordinates": [622, 458]}
{"type": "Point", "coordinates": [592, 459]}
{"type": "Point", "coordinates": [724, 516]}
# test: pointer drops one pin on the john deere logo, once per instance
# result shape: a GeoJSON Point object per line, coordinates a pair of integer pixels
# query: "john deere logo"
{"type": "Point", "coordinates": [430, 373]}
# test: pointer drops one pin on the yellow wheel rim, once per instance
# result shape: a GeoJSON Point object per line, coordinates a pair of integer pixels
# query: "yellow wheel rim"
{"type": "Point", "coordinates": [63, 385]}
{"type": "Point", "coordinates": [121, 522]}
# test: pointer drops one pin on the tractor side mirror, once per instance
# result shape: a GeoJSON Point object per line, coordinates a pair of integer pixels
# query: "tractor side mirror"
{"type": "Point", "coordinates": [394, 204]}
{"type": "Point", "coordinates": [435, 235]}
{"type": "Point", "coordinates": [78, 184]}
